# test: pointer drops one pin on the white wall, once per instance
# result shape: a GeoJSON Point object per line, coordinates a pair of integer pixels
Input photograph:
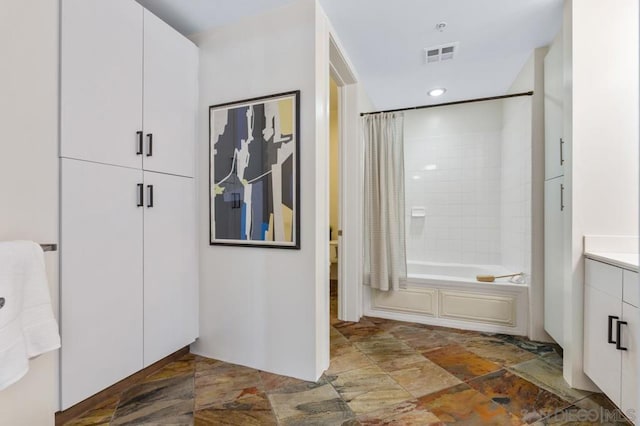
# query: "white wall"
{"type": "Point", "coordinates": [29, 174]}
{"type": "Point", "coordinates": [601, 137]}
{"type": "Point", "coordinates": [462, 196]}
{"type": "Point", "coordinates": [263, 307]}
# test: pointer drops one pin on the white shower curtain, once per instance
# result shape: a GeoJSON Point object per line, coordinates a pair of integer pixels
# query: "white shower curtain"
{"type": "Point", "coordinates": [385, 262]}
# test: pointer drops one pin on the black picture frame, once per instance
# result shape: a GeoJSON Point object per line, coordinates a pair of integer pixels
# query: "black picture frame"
{"type": "Point", "coordinates": [254, 174]}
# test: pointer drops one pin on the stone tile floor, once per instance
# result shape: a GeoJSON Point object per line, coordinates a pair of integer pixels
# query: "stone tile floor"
{"type": "Point", "coordinates": [382, 372]}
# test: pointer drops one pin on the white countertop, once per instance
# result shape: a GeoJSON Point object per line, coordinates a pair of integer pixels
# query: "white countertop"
{"type": "Point", "coordinates": [622, 260]}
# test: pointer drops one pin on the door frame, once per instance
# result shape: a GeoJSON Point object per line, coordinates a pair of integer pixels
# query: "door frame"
{"type": "Point", "coordinates": [351, 171]}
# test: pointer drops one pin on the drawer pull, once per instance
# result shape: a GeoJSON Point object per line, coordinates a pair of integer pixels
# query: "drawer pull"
{"type": "Point", "coordinates": [619, 325]}
{"type": "Point", "coordinates": [150, 196]}
{"type": "Point", "coordinates": [140, 195]}
{"type": "Point", "coordinates": [610, 335]}
{"type": "Point", "coordinates": [150, 146]}
{"type": "Point", "coordinates": [139, 151]}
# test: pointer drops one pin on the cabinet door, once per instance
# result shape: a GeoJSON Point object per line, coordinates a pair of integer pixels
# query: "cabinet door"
{"type": "Point", "coordinates": [602, 361]}
{"type": "Point", "coordinates": [553, 260]}
{"type": "Point", "coordinates": [101, 277]}
{"type": "Point", "coordinates": [553, 96]}
{"type": "Point", "coordinates": [170, 265]}
{"type": "Point", "coordinates": [630, 374]}
{"type": "Point", "coordinates": [170, 98]}
{"type": "Point", "coordinates": [101, 81]}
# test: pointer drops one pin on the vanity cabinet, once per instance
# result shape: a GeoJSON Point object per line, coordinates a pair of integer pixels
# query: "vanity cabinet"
{"type": "Point", "coordinates": [611, 322]}
{"type": "Point", "coordinates": [128, 247]}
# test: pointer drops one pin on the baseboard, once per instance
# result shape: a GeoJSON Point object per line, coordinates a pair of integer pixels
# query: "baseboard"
{"type": "Point", "coordinates": [74, 411]}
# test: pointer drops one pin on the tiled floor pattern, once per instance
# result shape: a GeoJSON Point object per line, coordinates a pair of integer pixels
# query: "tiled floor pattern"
{"type": "Point", "coordinates": [382, 373]}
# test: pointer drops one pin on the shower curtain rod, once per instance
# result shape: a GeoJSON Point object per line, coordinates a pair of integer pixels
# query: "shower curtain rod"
{"type": "Point", "coordinates": [492, 98]}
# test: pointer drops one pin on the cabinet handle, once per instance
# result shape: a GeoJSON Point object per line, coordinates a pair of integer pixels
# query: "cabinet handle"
{"type": "Point", "coordinates": [150, 197]}
{"type": "Point", "coordinates": [610, 335]}
{"type": "Point", "coordinates": [140, 195]}
{"type": "Point", "coordinates": [139, 151]}
{"type": "Point", "coordinates": [561, 153]}
{"type": "Point", "coordinates": [150, 147]}
{"type": "Point", "coordinates": [619, 325]}
{"type": "Point", "coordinates": [561, 197]}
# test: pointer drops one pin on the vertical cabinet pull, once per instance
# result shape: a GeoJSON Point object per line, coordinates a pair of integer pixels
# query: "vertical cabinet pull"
{"type": "Point", "coordinates": [150, 147]}
{"type": "Point", "coordinates": [561, 153]}
{"type": "Point", "coordinates": [150, 196]}
{"type": "Point", "coordinates": [140, 195]}
{"type": "Point", "coordinates": [561, 197]}
{"type": "Point", "coordinates": [139, 149]}
{"type": "Point", "coordinates": [619, 325]}
{"type": "Point", "coordinates": [610, 334]}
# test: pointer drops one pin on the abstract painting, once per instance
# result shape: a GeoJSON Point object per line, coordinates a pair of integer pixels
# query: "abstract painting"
{"type": "Point", "coordinates": [254, 184]}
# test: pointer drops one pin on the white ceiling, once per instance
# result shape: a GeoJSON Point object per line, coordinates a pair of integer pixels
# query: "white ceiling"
{"type": "Point", "coordinates": [385, 40]}
{"type": "Point", "coordinates": [193, 16]}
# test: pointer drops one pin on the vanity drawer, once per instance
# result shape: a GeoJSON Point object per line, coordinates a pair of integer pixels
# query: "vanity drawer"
{"type": "Point", "coordinates": [603, 277]}
{"type": "Point", "coordinates": [631, 288]}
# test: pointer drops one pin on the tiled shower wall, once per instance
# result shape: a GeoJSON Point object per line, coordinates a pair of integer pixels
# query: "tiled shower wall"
{"type": "Point", "coordinates": [515, 238]}
{"type": "Point", "coordinates": [453, 171]}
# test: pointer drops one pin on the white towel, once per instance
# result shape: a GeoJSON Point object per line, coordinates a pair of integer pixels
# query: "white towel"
{"type": "Point", "coordinates": [27, 325]}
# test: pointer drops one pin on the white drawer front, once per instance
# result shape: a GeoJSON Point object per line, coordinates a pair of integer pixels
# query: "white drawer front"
{"type": "Point", "coordinates": [603, 277]}
{"type": "Point", "coordinates": [631, 288]}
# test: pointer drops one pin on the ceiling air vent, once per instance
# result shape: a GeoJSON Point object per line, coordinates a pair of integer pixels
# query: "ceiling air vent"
{"type": "Point", "coordinates": [444, 52]}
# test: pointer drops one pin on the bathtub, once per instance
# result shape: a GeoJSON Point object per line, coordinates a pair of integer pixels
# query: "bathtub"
{"type": "Point", "coordinates": [448, 295]}
{"type": "Point", "coordinates": [456, 272]}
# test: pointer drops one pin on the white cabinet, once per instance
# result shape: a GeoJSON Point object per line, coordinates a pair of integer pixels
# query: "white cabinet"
{"type": "Point", "coordinates": [129, 88]}
{"type": "Point", "coordinates": [553, 259]}
{"type": "Point", "coordinates": [553, 116]}
{"type": "Point", "coordinates": [170, 98]}
{"type": "Point", "coordinates": [630, 373]}
{"type": "Point", "coordinates": [601, 358]}
{"type": "Point", "coordinates": [101, 81]}
{"type": "Point", "coordinates": [101, 269]}
{"type": "Point", "coordinates": [170, 268]}
{"type": "Point", "coordinates": [610, 333]}
{"type": "Point", "coordinates": [128, 234]}
{"type": "Point", "coordinates": [554, 196]}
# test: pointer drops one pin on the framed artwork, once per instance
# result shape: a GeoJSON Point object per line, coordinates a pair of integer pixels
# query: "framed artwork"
{"type": "Point", "coordinates": [254, 172]}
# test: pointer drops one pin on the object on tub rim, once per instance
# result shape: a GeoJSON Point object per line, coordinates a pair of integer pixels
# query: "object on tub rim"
{"type": "Point", "coordinates": [492, 278]}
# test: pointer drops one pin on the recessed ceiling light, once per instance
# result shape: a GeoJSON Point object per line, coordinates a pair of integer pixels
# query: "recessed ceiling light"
{"type": "Point", "coordinates": [430, 167]}
{"type": "Point", "coordinates": [437, 92]}
{"type": "Point", "coordinates": [416, 177]}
